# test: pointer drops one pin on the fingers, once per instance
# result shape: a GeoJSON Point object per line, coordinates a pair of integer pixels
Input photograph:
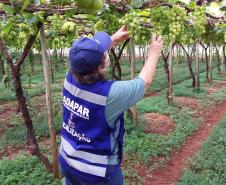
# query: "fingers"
{"type": "Point", "coordinates": [154, 36]}
{"type": "Point", "coordinates": [125, 33]}
{"type": "Point", "coordinates": [159, 38]}
{"type": "Point", "coordinates": [124, 36]}
{"type": "Point", "coordinates": [157, 43]}
{"type": "Point", "coordinates": [123, 28]}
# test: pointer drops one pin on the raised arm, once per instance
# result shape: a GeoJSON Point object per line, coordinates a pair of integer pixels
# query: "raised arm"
{"type": "Point", "coordinates": [148, 71]}
{"type": "Point", "coordinates": [120, 36]}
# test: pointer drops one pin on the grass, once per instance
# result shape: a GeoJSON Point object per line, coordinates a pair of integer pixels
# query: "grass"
{"type": "Point", "coordinates": [209, 166]}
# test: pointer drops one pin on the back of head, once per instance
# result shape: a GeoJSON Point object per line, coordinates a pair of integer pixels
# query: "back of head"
{"type": "Point", "coordinates": [87, 55]}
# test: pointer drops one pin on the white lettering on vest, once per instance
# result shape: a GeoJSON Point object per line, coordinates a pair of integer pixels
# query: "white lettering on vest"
{"type": "Point", "coordinates": [77, 109]}
{"type": "Point", "coordinates": [86, 112]}
{"type": "Point", "coordinates": [80, 137]}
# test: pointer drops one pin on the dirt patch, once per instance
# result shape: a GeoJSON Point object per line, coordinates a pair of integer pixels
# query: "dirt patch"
{"type": "Point", "coordinates": [11, 151]}
{"type": "Point", "coordinates": [152, 94]}
{"type": "Point", "coordinates": [134, 167]}
{"type": "Point", "coordinates": [157, 123]}
{"type": "Point", "coordinates": [172, 171]}
{"type": "Point", "coordinates": [212, 90]}
{"type": "Point", "coordinates": [183, 101]}
{"type": "Point", "coordinates": [6, 112]}
{"type": "Point", "coordinates": [215, 87]}
{"type": "Point", "coordinates": [40, 102]}
{"type": "Point", "coordinates": [219, 83]}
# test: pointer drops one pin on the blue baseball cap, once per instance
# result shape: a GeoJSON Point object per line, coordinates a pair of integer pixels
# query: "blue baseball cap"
{"type": "Point", "coordinates": [86, 54]}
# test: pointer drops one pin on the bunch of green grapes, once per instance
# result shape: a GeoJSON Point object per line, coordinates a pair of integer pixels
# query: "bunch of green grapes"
{"type": "Point", "coordinates": [61, 32]}
{"type": "Point", "coordinates": [168, 22]}
{"type": "Point", "coordinates": [135, 23]}
{"type": "Point", "coordinates": [24, 30]}
{"type": "Point", "coordinates": [69, 27]}
{"type": "Point", "coordinates": [56, 22]}
{"type": "Point", "coordinates": [199, 16]}
{"type": "Point", "coordinates": [108, 23]}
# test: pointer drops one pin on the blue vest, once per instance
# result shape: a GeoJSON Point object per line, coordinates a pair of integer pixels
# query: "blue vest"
{"type": "Point", "coordinates": [85, 134]}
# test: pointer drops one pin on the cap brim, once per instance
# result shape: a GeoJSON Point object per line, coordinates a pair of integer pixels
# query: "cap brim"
{"type": "Point", "coordinates": [104, 39]}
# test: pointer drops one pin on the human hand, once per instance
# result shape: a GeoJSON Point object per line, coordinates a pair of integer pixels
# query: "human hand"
{"type": "Point", "coordinates": [120, 36]}
{"type": "Point", "coordinates": [156, 44]}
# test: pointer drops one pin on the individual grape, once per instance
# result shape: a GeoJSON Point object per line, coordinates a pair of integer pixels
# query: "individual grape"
{"type": "Point", "coordinates": [90, 6]}
{"type": "Point", "coordinates": [84, 4]}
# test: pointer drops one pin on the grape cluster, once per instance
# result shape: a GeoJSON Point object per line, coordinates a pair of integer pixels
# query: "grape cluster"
{"type": "Point", "coordinates": [135, 23]}
{"type": "Point", "coordinates": [168, 22]}
{"type": "Point", "coordinates": [69, 27]}
{"type": "Point", "coordinates": [60, 31]}
{"type": "Point", "coordinates": [108, 23]}
{"type": "Point", "coordinates": [199, 16]}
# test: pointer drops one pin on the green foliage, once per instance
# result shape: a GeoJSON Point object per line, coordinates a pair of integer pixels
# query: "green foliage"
{"type": "Point", "coordinates": [107, 22]}
{"type": "Point", "coordinates": [25, 170]}
{"type": "Point", "coordinates": [132, 178]}
{"type": "Point", "coordinates": [218, 96]}
{"type": "Point", "coordinates": [156, 104]}
{"type": "Point", "coordinates": [209, 166]}
{"type": "Point", "coordinates": [185, 89]}
{"type": "Point", "coordinates": [16, 36]}
{"type": "Point", "coordinates": [6, 94]}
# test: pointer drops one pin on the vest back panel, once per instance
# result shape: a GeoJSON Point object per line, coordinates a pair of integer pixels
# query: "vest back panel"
{"type": "Point", "coordinates": [84, 122]}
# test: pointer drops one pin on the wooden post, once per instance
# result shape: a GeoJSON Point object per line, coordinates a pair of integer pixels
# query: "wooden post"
{"type": "Point", "coordinates": [133, 73]}
{"type": "Point", "coordinates": [222, 62]}
{"type": "Point", "coordinates": [210, 61]}
{"type": "Point", "coordinates": [170, 85]}
{"type": "Point", "coordinates": [197, 67]}
{"type": "Point", "coordinates": [49, 103]}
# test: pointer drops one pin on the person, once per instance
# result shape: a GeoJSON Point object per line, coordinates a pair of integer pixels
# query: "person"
{"type": "Point", "coordinates": [93, 127]}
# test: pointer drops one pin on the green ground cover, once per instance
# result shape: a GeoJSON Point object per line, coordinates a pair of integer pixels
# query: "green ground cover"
{"type": "Point", "coordinates": [25, 170]}
{"type": "Point", "coordinates": [209, 165]}
{"type": "Point", "coordinates": [137, 142]}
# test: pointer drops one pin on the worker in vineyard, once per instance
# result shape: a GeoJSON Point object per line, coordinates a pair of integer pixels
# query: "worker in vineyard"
{"type": "Point", "coordinates": [93, 127]}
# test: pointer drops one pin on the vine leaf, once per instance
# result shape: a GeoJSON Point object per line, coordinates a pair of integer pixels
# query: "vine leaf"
{"type": "Point", "coordinates": [25, 4]}
{"type": "Point", "coordinates": [7, 9]}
